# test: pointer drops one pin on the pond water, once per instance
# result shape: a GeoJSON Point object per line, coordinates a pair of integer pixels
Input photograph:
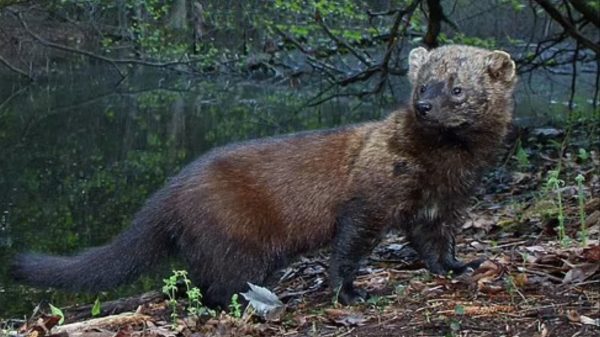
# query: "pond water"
{"type": "Point", "coordinates": [80, 154]}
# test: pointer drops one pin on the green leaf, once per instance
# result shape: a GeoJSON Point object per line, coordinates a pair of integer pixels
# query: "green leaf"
{"type": "Point", "coordinates": [459, 310]}
{"type": "Point", "coordinates": [57, 312]}
{"type": "Point", "coordinates": [583, 154]}
{"type": "Point", "coordinates": [455, 326]}
{"type": "Point", "coordinates": [522, 157]}
{"type": "Point", "coordinates": [96, 308]}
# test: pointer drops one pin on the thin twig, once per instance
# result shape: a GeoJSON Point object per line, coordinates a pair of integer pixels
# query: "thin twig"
{"type": "Point", "coordinates": [111, 61]}
{"type": "Point", "coordinates": [383, 66]}
{"type": "Point", "coordinates": [15, 69]}
{"type": "Point", "coordinates": [339, 41]}
{"type": "Point", "coordinates": [596, 91]}
{"type": "Point", "coordinates": [541, 273]}
{"type": "Point", "coordinates": [11, 97]}
{"type": "Point", "coordinates": [393, 42]}
{"type": "Point", "coordinates": [574, 76]}
{"type": "Point", "coordinates": [58, 46]}
{"type": "Point", "coordinates": [568, 26]}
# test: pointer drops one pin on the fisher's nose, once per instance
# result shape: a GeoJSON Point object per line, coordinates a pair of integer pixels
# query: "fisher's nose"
{"type": "Point", "coordinates": [423, 108]}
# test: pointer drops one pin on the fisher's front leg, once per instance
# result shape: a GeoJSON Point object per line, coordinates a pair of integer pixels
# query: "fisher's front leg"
{"type": "Point", "coordinates": [434, 240]}
{"type": "Point", "coordinates": [357, 233]}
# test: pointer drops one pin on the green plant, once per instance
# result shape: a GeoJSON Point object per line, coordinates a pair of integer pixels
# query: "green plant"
{"type": "Point", "coordinates": [194, 295]}
{"type": "Point", "coordinates": [459, 310]}
{"type": "Point", "coordinates": [170, 289]}
{"type": "Point", "coordinates": [516, 5]}
{"type": "Point", "coordinates": [57, 312]}
{"type": "Point", "coordinates": [379, 302]}
{"type": "Point", "coordinates": [336, 295]}
{"type": "Point", "coordinates": [494, 244]}
{"type": "Point", "coordinates": [455, 324]}
{"type": "Point", "coordinates": [194, 301]}
{"type": "Point", "coordinates": [583, 154]}
{"type": "Point", "coordinates": [521, 156]}
{"type": "Point", "coordinates": [583, 233]}
{"type": "Point", "coordinates": [555, 184]}
{"type": "Point", "coordinates": [524, 257]}
{"type": "Point", "coordinates": [400, 290]}
{"type": "Point", "coordinates": [511, 287]}
{"type": "Point", "coordinates": [235, 308]}
{"type": "Point", "coordinates": [96, 309]}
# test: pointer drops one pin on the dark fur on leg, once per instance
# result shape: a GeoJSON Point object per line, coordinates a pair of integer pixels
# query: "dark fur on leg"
{"type": "Point", "coordinates": [435, 243]}
{"type": "Point", "coordinates": [355, 237]}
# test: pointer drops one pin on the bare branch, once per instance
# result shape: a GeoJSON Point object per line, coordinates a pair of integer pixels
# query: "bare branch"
{"type": "Point", "coordinates": [394, 39]}
{"type": "Point", "coordinates": [339, 41]}
{"type": "Point", "coordinates": [289, 38]}
{"type": "Point", "coordinates": [394, 31]}
{"type": "Point", "coordinates": [47, 43]}
{"type": "Point", "coordinates": [12, 96]}
{"type": "Point", "coordinates": [112, 61]}
{"type": "Point", "coordinates": [327, 68]}
{"type": "Point", "coordinates": [597, 90]}
{"type": "Point", "coordinates": [434, 23]}
{"type": "Point", "coordinates": [15, 69]}
{"type": "Point", "coordinates": [383, 13]}
{"type": "Point", "coordinates": [573, 78]}
{"type": "Point", "coordinates": [589, 13]}
{"type": "Point", "coordinates": [6, 3]}
{"type": "Point", "coordinates": [568, 26]}
{"type": "Point", "coordinates": [383, 66]}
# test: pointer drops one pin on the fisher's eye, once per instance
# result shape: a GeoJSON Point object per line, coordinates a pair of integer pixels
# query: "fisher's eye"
{"type": "Point", "coordinates": [422, 89]}
{"type": "Point", "coordinates": [456, 91]}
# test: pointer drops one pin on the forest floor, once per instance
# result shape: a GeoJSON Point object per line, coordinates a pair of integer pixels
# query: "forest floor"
{"type": "Point", "coordinates": [533, 283]}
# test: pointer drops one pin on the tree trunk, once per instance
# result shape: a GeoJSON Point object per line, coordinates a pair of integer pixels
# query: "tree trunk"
{"type": "Point", "coordinates": [434, 24]}
{"type": "Point", "coordinates": [178, 15]}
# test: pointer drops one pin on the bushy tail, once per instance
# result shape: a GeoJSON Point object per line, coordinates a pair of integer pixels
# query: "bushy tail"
{"type": "Point", "coordinates": [137, 249]}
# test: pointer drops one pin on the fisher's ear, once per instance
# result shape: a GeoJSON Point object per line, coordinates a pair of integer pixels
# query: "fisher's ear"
{"type": "Point", "coordinates": [416, 58]}
{"type": "Point", "coordinates": [500, 66]}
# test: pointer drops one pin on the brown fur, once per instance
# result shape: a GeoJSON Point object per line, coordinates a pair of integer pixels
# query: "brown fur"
{"type": "Point", "coordinates": [240, 212]}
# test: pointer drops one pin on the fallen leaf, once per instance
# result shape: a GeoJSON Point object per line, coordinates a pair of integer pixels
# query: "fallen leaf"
{"type": "Point", "coordinates": [484, 222]}
{"type": "Point", "coordinates": [520, 280]}
{"type": "Point", "coordinates": [573, 316]}
{"type": "Point", "coordinates": [478, 246]}
{"type": "Point", "coordinates": [592, 205]}
{"type": "Point", "coordinates": [581, 273]}
{"type": "Point", "coordinates": [520, 177]}
{"type": "Point", "coordinates": [416, 286]}
{"type": "Point", "coordinates": [534, 249]}
{"type": "Point", "coordinates": [588, 320]}
{"type": "Point", "coordinates": [487, 272]}
{"type": "Point", "coordinates": [592, 254]}
{"type": "Point", "coordinates": [42, 326]}
{"type": "Point", "coordinates": [593, 219]}
{"type": "Point", "coordinates": [124, 332]}
{"type": "Point", "coordinates": [547, 132]}
{"type": "Point", "coordinates": [265, 303]}
{"type": "Point", "coordinates": [346, 318]}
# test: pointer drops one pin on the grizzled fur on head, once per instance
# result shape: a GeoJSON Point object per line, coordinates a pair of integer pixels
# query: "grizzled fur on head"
{"type": "Point", "coordinates": [462, 89]}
